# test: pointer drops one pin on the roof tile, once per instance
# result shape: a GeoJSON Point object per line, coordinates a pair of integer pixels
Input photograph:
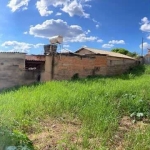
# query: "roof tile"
{"type": "Point", "coordinates": [109, 53]}
{"type": "Point", "coordinates": [35, 57]}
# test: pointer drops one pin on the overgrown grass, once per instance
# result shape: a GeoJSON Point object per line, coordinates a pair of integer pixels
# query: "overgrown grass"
{"type": "Point", "coordinates": [99, 103]}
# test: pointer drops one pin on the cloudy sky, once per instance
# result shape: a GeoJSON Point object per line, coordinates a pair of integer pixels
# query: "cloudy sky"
{"type": "Point", "coordinates": [26, 25]}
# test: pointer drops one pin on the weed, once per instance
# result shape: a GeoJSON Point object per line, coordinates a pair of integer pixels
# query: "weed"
{"type": "Point", "coordinates": [14, 139]}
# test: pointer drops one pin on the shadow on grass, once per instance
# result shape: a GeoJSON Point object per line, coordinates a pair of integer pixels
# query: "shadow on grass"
{"type": "Point", "coordinates": [130, 74]}
{"type": "Point", "coordinates": [15, 88]}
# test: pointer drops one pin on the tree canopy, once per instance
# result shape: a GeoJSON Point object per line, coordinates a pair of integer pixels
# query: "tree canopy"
{"type": "Point", "coordinates": [125, 52]}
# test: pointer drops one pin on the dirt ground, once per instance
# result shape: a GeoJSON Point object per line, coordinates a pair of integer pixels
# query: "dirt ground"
{"type": "Point", "coordinates": [55, 134]}
{"type": "Point", "coordinates": [125, 126]}
{"type": "Point", "coordinates": [63, 134]}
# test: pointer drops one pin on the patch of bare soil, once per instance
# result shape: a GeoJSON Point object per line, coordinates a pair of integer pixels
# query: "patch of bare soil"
{"type": "Point", "coordinates": [125, 126]}
{"type": "Point", "coordinates": [56, 134]}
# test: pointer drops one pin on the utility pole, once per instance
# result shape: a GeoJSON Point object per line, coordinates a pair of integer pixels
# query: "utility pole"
{"type": "Point", "coordinates": [142, 47]}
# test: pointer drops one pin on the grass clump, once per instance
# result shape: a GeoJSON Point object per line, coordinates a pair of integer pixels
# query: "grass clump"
{"type": "Point", "coordinates": [139, 139]}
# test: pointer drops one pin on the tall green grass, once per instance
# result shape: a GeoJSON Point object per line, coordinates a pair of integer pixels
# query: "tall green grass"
{"type": "Point", "coordinates": [98, 102]}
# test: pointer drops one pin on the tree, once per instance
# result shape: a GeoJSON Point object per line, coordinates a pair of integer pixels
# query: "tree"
{"type": "Point", "coordinates": [125, 52]}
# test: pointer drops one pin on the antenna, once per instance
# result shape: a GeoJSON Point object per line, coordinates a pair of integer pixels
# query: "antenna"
{"type": "Point", "coordinates": [57, 40]}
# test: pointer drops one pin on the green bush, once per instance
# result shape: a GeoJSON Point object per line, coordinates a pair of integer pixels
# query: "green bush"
{"type": "Point", "coordinates": [14, 138]}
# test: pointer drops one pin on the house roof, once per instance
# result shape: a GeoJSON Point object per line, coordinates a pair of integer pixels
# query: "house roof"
{"type": "Point", "coordinates": [147, 55]}
{"type": "Point", "coordinates": [13, 52]}
{"type": "Point", "coordinates": [104, 52]}
{"type": "Point", "coordinates": [35, 57]}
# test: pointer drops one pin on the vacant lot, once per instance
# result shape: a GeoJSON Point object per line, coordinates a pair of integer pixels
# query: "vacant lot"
{"type": "Point", "coordinates": [93, 113]}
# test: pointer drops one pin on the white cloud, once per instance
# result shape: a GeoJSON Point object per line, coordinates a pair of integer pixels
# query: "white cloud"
{"type": "Point", "coordinates": [58, 14]}
{"type": "Point", "coordinates": [107, 45]}
{"type": "Point", "coordinates": [148, 37]}
{"type": "Point", "coordinates": [18, 4]}
{"type": "Point", "coordinates": [97, 26]}
{"type": "Point", "coordinates": [25, 32]}
{"type": "Point", "coordinates": [117, 42]}
{"type": "Point", "coordinates": [66, 46]}
{"type": "Point", "coordinates": [145, 45]}
{"type": "Point", "coordinates": [75, 8]}
{"type": "Point", "coordinates": [145, 25]}
{"type": "Point", "coordinates": [84, 46]}
{"type": "Point", "coordinates": [96, 22]}
{"type": "Point", "coordinates": [50, 28]}
{"type": "Point", "coordinates": [64, 51]}
{"type": "Point", "coordinates": [88, 31]}
{"type": "Point", "coordinates": [99, 40]}
{"type": "Point", "coordinates": [87, 5]}
{"type": "Point", "coordinates": [16, 46]}
{"type": "Point", "coordinates": [112, 43]}
{"type": "Point", "coordinates": [37, 45]}
{"type": "Point", "coordinates": [42, 7]}
{"type": "Point", "coordinates": [72, 7]}
{"type": "Point", "coordinates": [83, 38]}
{"type": "Point", "coordinates": [86, 0]}
{"type": "Point", "coordinates": [145, 20]}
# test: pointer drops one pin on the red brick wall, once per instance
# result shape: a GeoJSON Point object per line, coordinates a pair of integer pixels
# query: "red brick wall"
{"type": "Point", "coordinates": [116, 66]}
{"type": "Point", "coordinates": [67, 66]}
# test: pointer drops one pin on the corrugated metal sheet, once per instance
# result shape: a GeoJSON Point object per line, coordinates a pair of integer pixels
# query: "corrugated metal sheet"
{"type": "Point", "coordinates": [112, 54]}
{"type": "Point", "coordinates": [35, 57]}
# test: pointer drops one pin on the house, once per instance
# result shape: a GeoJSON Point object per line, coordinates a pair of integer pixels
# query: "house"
{"type": "Point", "coordinates": [147, 58]}
{"type": "Point", "coordinates": [20, 69]}
{"type": "Point", "coordinates": [86, 50]}
{"type": "Point", "coordinates": [86, 62]}
{"type": "Point", "coordinates": [116, 63]}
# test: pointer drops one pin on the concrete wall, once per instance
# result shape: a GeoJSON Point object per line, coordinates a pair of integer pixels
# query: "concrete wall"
{"type": "Point", "coordinates": [11, 65]}
{"type": "Point", "coordinates": [47, 75]}
{"type": "Point", "coordinates": [12, 71]}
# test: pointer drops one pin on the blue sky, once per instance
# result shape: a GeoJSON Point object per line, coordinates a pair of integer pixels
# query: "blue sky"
{"type": "Point", "coordinates": [27, 25]}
